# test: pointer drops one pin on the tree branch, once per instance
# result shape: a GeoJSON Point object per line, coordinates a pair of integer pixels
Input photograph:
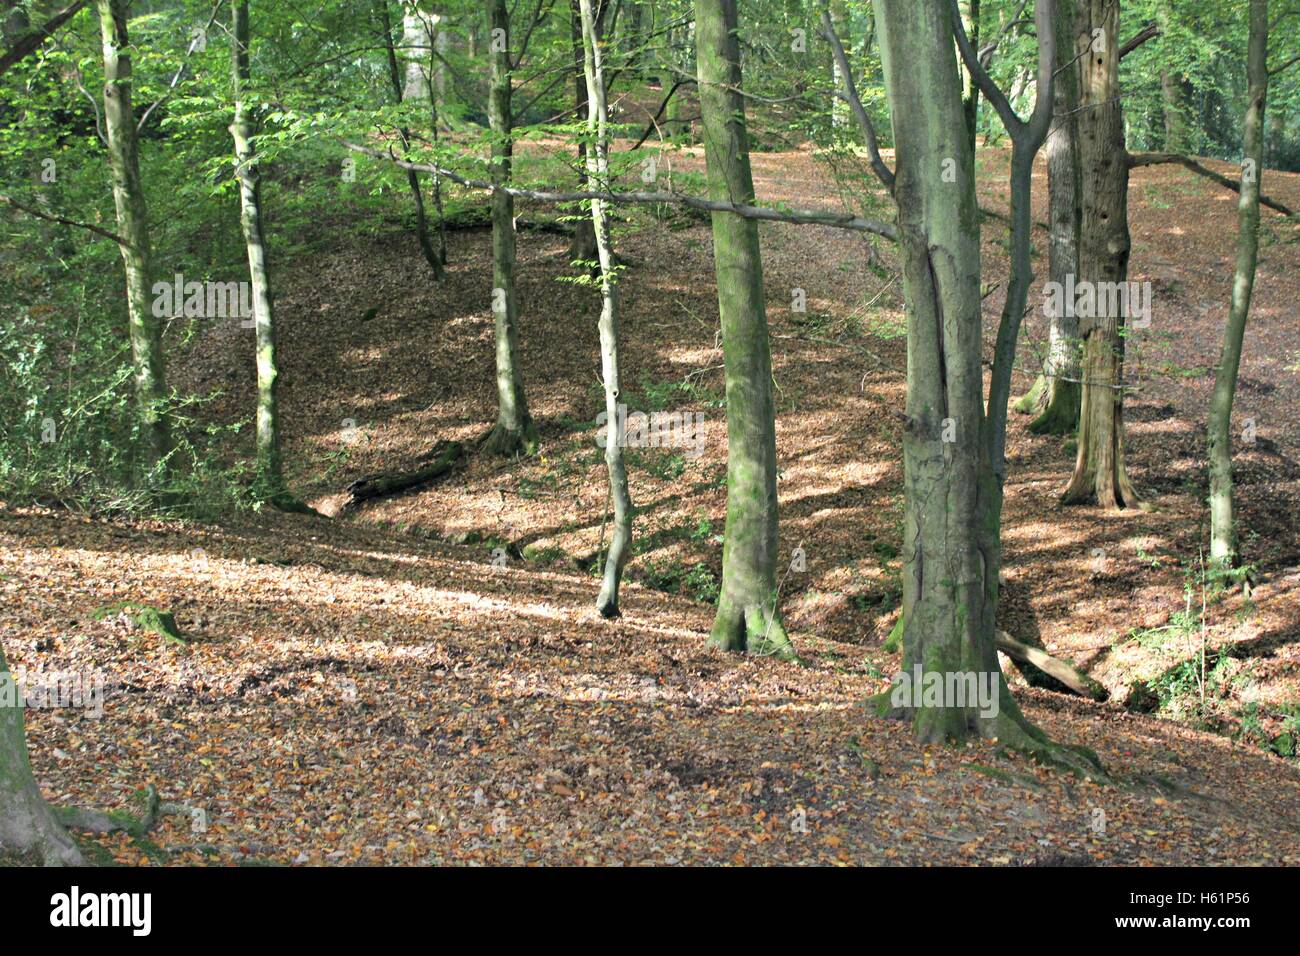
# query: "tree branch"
{"type": "Point", "coordinates": [1148, 32]}
{"type": "Point", "coordinates": [1153, 159]}
{"type": "Point", "coordinates": [850, 93]}
{"type": "Point", "coordinates": [31, 41]}
{"type": "Point", "coordinates": [49, 217]}
{"type": "Point", "coordinates": [654, 120]}
{"type": "Point", "coordinates": [992, 92]}
{"type": "Point", "coordinates": [798, 216]}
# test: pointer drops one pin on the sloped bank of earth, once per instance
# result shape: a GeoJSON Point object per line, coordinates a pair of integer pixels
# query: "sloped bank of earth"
{"type": "Point", "coordinates": [354, 696]}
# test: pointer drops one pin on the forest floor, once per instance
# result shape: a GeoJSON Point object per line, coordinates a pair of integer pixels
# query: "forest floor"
{"type": "Point", "coordinates": [426, 680]}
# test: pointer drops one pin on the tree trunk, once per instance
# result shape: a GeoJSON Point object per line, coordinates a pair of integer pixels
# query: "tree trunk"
{"type": "Point", "coordinates": [1223, 534]}
{"type": "Point", "coordinates": [133, 226]}
{"type": "Point", "coordinates": [1055, 396]}
{"type": "Point", "coordinates": [747, 616]}
{"type": "Point", "coordinates": [26, 823]}
{"type": "Point", "coordinates": [514, 431]}
{"type": "Point", "coordinates": [582, 248]}
{"type": "Point", "coordinates": [269, 465]}
{"type": "Point", "coordinates": [412, 178]}
{"type": "Point", "coordinates": [954, 456]}
{"type": "Point", "coordinates": [843, 25]}
{"type": "Point", "coordinates": [597, 176]}
{"type": "Point", "coordinates": [1175, 91]}
{"type": "Point", "coordinates": [946, 595]}
{"type": "Point", "coordinates": [971, 102]}
{"type": "Point", "coordinates": [1099, 472]}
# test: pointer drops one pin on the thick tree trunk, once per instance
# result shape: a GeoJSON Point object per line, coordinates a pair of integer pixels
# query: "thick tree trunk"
{"type": "Point", "coordinates": [747, 616]}
{"type": "Point", "coordinates": [1099, 473]}
{"type": "Point", "coordinates": [597, 176]}
{"type": "Point", "coordinates": [269, 465]}
{"type": "Point", "coordinates": [133, 226]}
{"type": "Point", "coordinates": [1223, 532]}
{"type": "Point", "coordinates": [954, 456]}
{"type": "Point", "coordinates": [431, 256]}
{"type": "Point", "coordinates": [514, 431]}
{"type": "Point", "coordinates": [26, 823]}
{"type": "Point", "coordinates": [947, 595]}
{"type": "Point", "coordinates": [1175, 91]}
{"type": "Point", "coordinates": [1055, 396]}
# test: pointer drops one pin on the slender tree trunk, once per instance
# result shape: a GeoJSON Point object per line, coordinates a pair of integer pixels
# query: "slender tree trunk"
{"type": "Point", "coordinates": [1223, 532]}
{"type": "Point", "coordinates": [748, 617]}
{"type": "Point", "coordinates": [842, 23]}
{"type": "Point", "coordinates": [1055, 396]}
{"type": "Point", "coordinates": [971, 102]}
{"type": "Point", "coordinates": [26, 823]}
{"type": "Point", "coordinates": [514, 431]}
{"type": "Point", "coordinates": [435, 27]}
{"type": "Point", "coordinates": [1099, 473]}
{"type": "Point", "coordinates": [412, 178]}
{"type": "Point", "coordinates": [269, 465]}
{"type": "Point", "coordinates": [582, 248]}
{"type": "Point", "coordinates": [133, 226]}
{"type": "Point", "coordinates": [597, 175]}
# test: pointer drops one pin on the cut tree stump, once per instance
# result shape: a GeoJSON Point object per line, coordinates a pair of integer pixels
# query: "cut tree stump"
{"type": "Point", "coordinates": [437, 462]}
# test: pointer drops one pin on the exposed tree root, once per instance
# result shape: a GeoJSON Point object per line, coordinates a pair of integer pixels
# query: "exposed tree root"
{"type": "Point", "coordinates": [1009, 727]}
{"type": "Point", "coordinates": [751, 628]}
{"type": "Point", "coordinates": [1032, 400]}
{"type": "Point", "coordinates": [152, 807]}
{"type": "Point", "coordinates": [509, 442]}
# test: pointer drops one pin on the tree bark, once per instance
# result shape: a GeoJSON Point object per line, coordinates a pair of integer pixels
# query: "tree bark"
{"type": "Point", "coordinates": [514, 431]}
{"type": "Point", "coordinates": [954, 456]}
{"type": "Point", "coordinates": [598, 174]}
{"type": "Point", "coordinates": [133, 226]}
{"type": "Point", "coordinates": [269, 463]}
{"type": "Point", "coordinates": [582, 248]}
{"type": "Point", "coordinates": [1055, 396]}
{"type": "Point", "coordinates": [946, 593]}
{"type": "Point", "coordinates": [1174, 93]}
{"type": "Point", "coordinates": [1223, 532]}
{"type": "Point", "coordinates": [748, 617]}
{"type": "Point", "coordinates": [27, 825]}
{"type": "Point", "coordinates": [431, 256]}
{"type": "Point", "coordinates": [1104, 243]}
{"type": "Point", "coordinates": [971, 101]}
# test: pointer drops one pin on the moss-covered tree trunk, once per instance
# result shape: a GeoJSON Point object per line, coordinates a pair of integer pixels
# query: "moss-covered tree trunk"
{"type": "Point", "coordinates": [133, 225]}
{"type": "Point", "coordinates": [1223, 532]}
{"type": "Point", "coordinates": [269, 465]}
{"type": "Point", "coordinates": [1055, 396]}
{"type": "Point", "coordinates": [1104, 243]}
{"type": "Point", "coordinates": [399, 85]}
{"type": "Point", "coordinates": [748, 617]}
{"type": "Point", "coordinates": [26, 823]}
{"type": "Point", "coordinates": [514, 432]}
{"type": "Point", "coordinates": [954, 458]}
{"type": "Point", "coordinates": [597, 179]}
{"type": "Point", "coordinates": [946, 591]}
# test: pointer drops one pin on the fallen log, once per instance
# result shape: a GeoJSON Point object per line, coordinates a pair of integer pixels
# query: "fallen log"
{"type": "Point", "coordinates": [440, 460]}
{"type": "Point", "coordinates": [1053, 667]}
